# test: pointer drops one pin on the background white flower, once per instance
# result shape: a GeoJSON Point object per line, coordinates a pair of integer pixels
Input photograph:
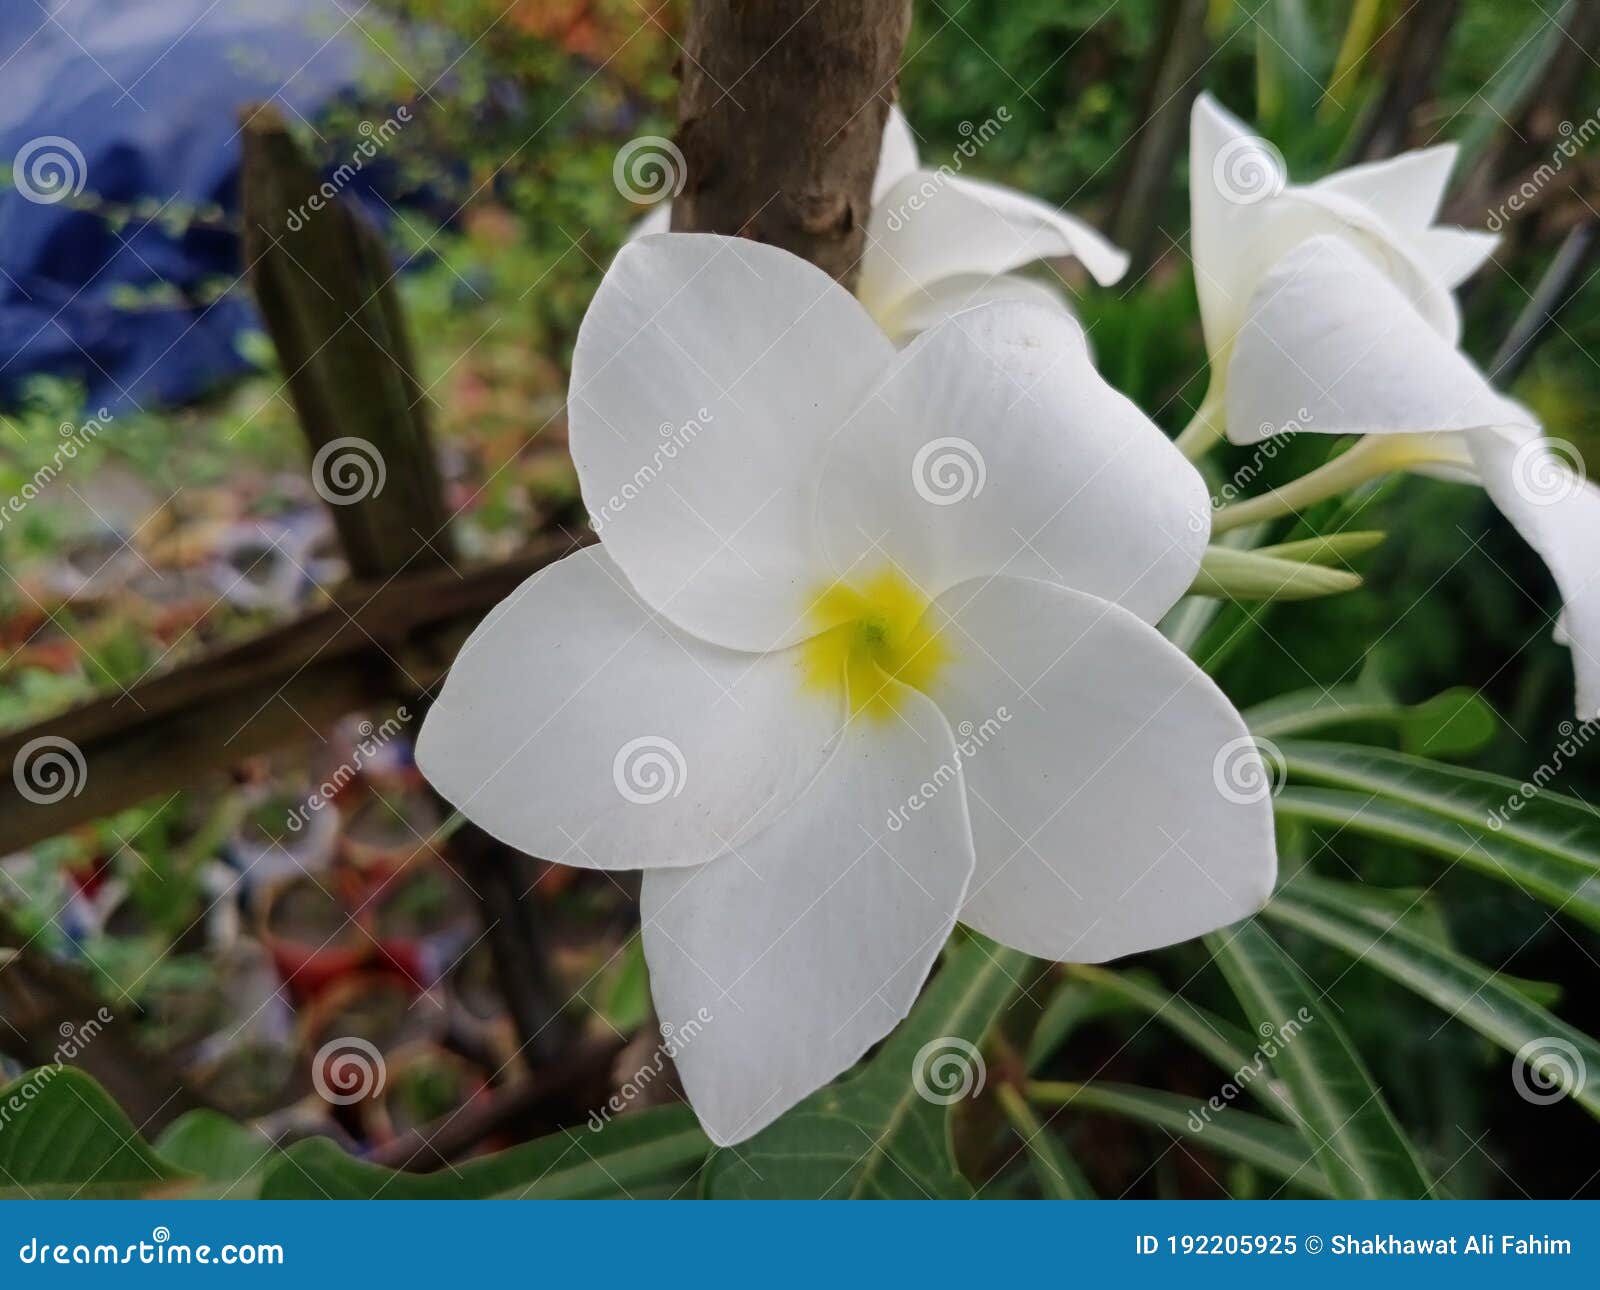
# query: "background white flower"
{"type": "Point", "coordinates": [939, 242]}
{"type": "Point", "coordinates": [1331, 305]}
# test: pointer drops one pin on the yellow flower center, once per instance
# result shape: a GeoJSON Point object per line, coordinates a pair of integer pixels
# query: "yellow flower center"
{"type": "Point", "coordinates": [870, 634]}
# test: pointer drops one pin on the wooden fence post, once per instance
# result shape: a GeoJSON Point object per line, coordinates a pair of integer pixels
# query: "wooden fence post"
{"type": "Point", "coordinates": [327, 292]}
{"type": "Point", "coordinates": [326, 289]}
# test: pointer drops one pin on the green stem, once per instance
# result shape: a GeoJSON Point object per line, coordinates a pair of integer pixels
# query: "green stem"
{"type": "Point", "coordinates": [1205, 430]}
{"type": "Point", "coordinates": [1372, 457]}
{"type": "Point", "coordinates": [1059, 1175]}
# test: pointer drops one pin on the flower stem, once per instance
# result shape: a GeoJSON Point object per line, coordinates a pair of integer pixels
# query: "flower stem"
{"type": "Point", "coordinates": [1205, 430]}
{"type": "Point", "coordinates": [1373, 456]}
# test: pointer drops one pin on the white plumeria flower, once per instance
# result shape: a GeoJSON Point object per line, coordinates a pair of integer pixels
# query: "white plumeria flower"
{"type": "Point", "coordinates": [938, 243]}
{"type": "Point", "coordinates": [1330, 309]}
{"type": "Point", "coordinates": [871, 651]}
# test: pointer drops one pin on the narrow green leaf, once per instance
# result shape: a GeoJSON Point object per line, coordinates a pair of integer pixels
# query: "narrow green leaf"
{"type": "Point", "coordinates": [885, 1130]}
{"type": "Point", "coordinates": [1231, 1048]}
{"type": "Point", "coordinates": [1289, 56]}
{"type": "Point", "coordinates": [1451, 724]}
{"type": "Point", "coordinates": [1342, 1113]}
{"type": "Point", "coordinates": [1073, 1003]}
{"type": "Point", "coordinates": [1545, 844]}
{"type": "Point", "coordinates": [1503, 99]}
{"type": "Point", "coordinates": [58, 1126]}
{"type": "Point", "coordinates": [1058, 1173]}
{"type": "Point", "coordinates": [628, 1154]}
{"type": "Point", "coordinates": [1555, 880]}
{"type": "Point", "coordinates": [1237, 1134]}
{"type": "Point", "coordinates": [1344, 916]}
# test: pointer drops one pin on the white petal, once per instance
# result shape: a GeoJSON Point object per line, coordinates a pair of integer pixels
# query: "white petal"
{"type": "Point", "coordinates": [708, 374]}
{"type": "Point", "coordinates": [659, 220]}
{"type": "Point", "coordinates": [1333, 346]}
{"type": "Point", "coordinates": [810, 942]}
{"type": "Point", "coordinates": [1453, 255]}
{"type": "Point", "coordinates": [578, 726]}
{"type": "Point", "coordinates": [1245, 217]}
{"type": "Point", "coordinates": [933, 225]}
{"type": "Point", "coordinates": [897, 156]}
{"type": "Point", "coordinates": [1233, 178]}
{"type": "Point", "coordinates": [1406, 191]}
{"type": "Point", "coordinates": [995, 447]}
{"type": "Point", "coordinates": [1113, 788]}
{"type": "Point", "coordinates": [950, 296]}
{"type": "Point", "coordinates": [1540, 488]}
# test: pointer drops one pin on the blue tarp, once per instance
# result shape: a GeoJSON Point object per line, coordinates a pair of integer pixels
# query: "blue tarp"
{"type": "Point", "coordinates": [139, 100]}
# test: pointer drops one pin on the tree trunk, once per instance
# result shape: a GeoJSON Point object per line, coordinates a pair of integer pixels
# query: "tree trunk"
{"type": "Point", "coordinates": [780, 119]}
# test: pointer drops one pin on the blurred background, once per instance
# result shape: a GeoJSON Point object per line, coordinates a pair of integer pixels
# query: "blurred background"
{"type": "Point", "coordinates": [283, 902]}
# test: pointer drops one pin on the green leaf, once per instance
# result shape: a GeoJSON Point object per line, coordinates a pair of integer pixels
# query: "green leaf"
{"type": "Point", "coordinates": [1504, 98]}
{"type": "Point", "coordinates": [211, 1146]}
{"type": "Point", "coordinates": [1342, 1114]}
{"type": "Point", "coordinates": [1453, 724]}
{"type": "Point", "coordinates": [631, 1152]}
{"type": "Point", "coordinates": [1073, 1003]}
{"type": "Point", "coordinates": [1288, 48]}
{"type": "Point", "coordinates": [1058, 1173]}
{"type": "Point", "coordinates": [874, 1134]}
{"type": "Point", "coordinates": [1546, 845]}
{"type": "Point", "coordinates": [1240, 1135]}
{"type": "Point", "coordinates": [626, 997]}
{"type": "Point", "coordinates": [1345, 916]}
{"type": "Point", "coordinates": [59, 1127]}
{"type": "Point", "coordinates": [1219, 1039]}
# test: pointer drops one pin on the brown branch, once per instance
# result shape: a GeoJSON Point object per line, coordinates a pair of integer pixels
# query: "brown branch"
{"type": "Point", "coordinates": [1423, 33]}
{"type": "Point", "coordinates": [780, 119]}
{"type": "Point", "coordinates": [1173, 83]}
{"type": "Point", "coordinates": [431, 1146]}
{"type": "Point", "coordinates": [173, 730]}
{"type": "Point", "coordinates": [51, 1011]}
